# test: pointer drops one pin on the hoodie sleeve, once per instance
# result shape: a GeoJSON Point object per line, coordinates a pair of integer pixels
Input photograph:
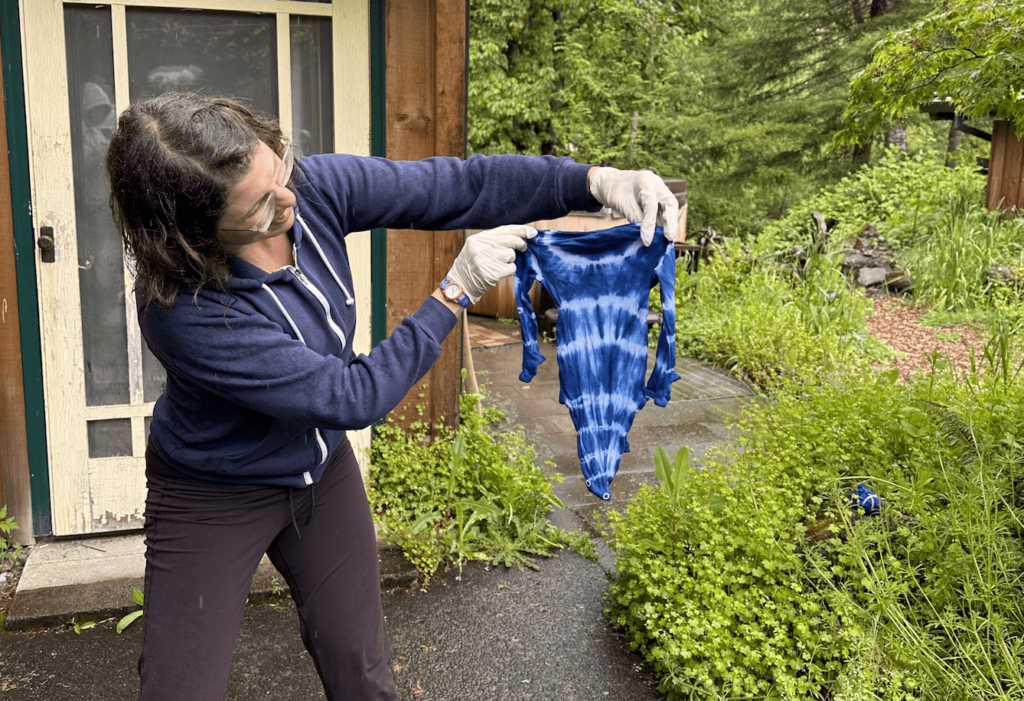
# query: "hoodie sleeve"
{"type": "Point", "coordinates": [251, 361]}
{"type": "Point", "coordinates": [446, 193]}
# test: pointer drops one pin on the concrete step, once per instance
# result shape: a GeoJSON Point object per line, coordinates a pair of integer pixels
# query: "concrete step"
{"type": "Point", "coordinates": [96, 576]}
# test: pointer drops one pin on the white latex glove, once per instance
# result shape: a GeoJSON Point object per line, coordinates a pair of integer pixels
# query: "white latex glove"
{"type": "Point", "coordinates": [488, 257]}
{"type": "Point", "coordinates": [640, 196]}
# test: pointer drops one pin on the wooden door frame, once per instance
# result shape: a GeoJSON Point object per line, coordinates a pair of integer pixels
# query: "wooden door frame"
{"type": "Point", "coordinates": [352, 132]}
{"type": "Point", "coordinates": [23, 463]}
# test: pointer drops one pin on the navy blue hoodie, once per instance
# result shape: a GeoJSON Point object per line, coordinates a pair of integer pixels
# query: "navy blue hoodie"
{"type": "Point", "coordinates": [262, 382]}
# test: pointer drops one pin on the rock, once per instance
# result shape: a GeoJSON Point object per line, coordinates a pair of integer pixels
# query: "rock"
{"type": "Point", "coordinates": [898, 281]}
{"type": "Point", "coordinates": [854, 260]}
{"type": "Point", "coordinates": [1003, 273]}
{"type": "Point", "coordinates": [869, 277]}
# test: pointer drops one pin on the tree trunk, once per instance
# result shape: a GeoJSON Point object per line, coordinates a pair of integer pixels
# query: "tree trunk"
{"type": "Point", "coordinates": [858, 11]}
{"type": "Point", "coordinates": [862, 154]}
{"type": "Point", "coordinates": [882, 7]}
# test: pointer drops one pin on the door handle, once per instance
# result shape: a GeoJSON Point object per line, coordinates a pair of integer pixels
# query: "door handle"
{"type": "Point", "coordinates": [46, 244]}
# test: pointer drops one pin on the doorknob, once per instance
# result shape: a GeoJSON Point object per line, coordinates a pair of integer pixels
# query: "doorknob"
{"type": "Point", "coordinates": [46, 244]}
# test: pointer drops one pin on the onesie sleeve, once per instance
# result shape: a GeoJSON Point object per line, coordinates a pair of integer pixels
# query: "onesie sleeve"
{"type": "Point", "coordinates": [526, 273]}
{"type": "Point", "coordinates": [659, 386]}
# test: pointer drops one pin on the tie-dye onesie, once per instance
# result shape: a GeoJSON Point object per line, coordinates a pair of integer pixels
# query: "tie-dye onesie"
{"type": "Point", "coordinates": [601, 281]}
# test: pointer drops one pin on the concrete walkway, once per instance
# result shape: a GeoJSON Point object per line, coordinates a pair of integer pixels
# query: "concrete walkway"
{"type": "Point", "coordinates": [488, 633]}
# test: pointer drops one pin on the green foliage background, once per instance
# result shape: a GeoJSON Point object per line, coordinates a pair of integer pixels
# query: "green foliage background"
{"type": "Point", "coordinates": [739, 97]}
{"type": "Point", "coordinates": [969, 53]}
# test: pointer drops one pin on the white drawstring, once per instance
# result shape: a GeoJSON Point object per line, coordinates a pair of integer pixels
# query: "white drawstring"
{"type": "Point", "coordinates": [349, 300]}
{"type": "Point", "coordinates": [285, 312]}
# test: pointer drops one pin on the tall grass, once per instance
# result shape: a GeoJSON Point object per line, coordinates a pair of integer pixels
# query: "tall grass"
{"type": "Point", "coordinates": [765, 319]}
{"type": "Point", "coordinates": [955, 263]}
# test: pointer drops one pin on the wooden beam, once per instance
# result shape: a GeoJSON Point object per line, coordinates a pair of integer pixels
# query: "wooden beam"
{"type": "Point", "coordinates": [426, 116]}
{"type": "Point", "coordinates": [450, 98]}
{"type": "Point", "coordinates": [15, 487]}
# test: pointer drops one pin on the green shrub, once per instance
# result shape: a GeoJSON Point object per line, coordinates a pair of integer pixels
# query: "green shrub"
{"type": "Point", "coordinates": [472, 495]}
{"type": "Point", "coordinates": [754, 578]}
{"type": "Point", "coordinates": [10, 549]}
{"type": "Point", "coordinates": [710, 589]}
{"type": "Point", "coordinates": [901, 195]}
{"type": "Point", "coordinates": [745, 311]}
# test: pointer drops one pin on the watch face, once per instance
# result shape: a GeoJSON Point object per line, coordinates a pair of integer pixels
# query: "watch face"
{"type": "Point", "coordinates": [452, 291]}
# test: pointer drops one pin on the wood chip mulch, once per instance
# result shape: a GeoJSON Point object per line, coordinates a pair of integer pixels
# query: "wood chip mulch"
{"type": "Point", "coordinates": [899, 325]}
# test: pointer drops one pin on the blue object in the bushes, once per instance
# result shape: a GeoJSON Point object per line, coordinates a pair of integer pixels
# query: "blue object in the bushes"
{"type": "Point", "coordinates": [867, 500]}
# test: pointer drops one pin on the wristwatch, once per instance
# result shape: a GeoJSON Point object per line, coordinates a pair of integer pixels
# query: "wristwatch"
{"type": "Point", "coordinates": [453, 292]}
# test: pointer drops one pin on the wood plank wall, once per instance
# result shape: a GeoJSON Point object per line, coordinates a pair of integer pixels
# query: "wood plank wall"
{"type": "Point", "coordinates": [426, 50]}
{"type": "Point", "coordinates": [1006, 169]}
{"type": "Point", "coordinates": [14, 471]}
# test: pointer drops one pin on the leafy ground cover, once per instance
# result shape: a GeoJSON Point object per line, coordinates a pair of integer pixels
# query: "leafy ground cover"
{"type": "Point", "coordinates": [472, 494]}
{"type": "Point", "coordinates": [756, 577]}
{"type": "Point", "coordinates": [762, 574]}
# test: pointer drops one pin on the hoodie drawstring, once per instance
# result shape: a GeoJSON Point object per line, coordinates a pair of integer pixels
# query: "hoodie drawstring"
{"type": "Point", "coordinates": [312, 508]}
{"type": "Point", "coordinates": [291, 503]}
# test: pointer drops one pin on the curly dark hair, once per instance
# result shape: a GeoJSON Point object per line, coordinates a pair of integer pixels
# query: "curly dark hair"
{"type": "Point", "coordinates": [171, 163]}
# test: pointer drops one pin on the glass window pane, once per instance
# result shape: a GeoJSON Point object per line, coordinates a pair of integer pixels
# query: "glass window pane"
{"type": "Point", "coordinates": [312, 85]}
{"type": "Point", "coordinates": [219, 53]}
{"type": "Point", "coordinates": [90, 65]}
{"type": "Point", "coordinates": [110, 438]}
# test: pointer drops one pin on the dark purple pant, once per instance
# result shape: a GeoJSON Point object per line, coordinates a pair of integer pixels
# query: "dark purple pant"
{"type": "Point", "coordinates": [203, 543]}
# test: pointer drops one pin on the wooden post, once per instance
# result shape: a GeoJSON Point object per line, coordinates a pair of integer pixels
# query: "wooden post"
{"type": "Point", "coordinates": [15, 489]}
{"type": "Point", "coordinates": [426, 49]}
{"type": "Point", "coordinates": [1006, 169]}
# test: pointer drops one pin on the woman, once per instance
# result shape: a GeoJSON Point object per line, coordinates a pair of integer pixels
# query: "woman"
{"type": "Point", "coordinates": [244, 295]}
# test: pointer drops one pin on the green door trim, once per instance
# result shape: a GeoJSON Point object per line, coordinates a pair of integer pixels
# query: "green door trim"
{"type": "Point", "coordinates": [25, 268]}
{"type": "Point", "coordinates": [378, 147]}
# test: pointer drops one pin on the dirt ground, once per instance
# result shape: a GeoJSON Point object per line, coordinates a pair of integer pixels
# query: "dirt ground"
{"type": "Point", "coordinates": [899, 325]}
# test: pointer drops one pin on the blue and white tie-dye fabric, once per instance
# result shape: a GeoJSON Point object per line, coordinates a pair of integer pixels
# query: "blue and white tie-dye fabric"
{"type": "Point", "coordinates": [601, 281]}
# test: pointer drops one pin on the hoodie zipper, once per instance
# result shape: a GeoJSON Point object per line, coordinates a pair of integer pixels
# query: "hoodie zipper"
{"type": "Point", "coordinates": [301, 277]}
